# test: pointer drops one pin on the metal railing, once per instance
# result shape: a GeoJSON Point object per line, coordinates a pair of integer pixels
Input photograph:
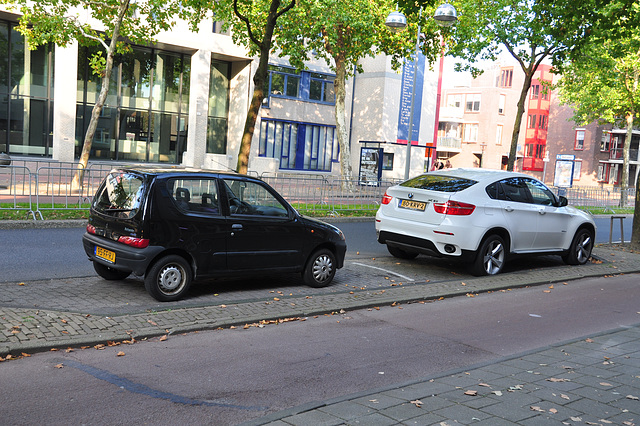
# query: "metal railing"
{"type": "Point", "coordinates": [34, 186]}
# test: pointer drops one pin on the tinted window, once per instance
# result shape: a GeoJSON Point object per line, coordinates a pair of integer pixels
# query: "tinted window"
{"type": "Point", "coordinates": [540, 193]}
{"type": "Point", "coordinates": [120, 196]}
{"type": "Point", "coordinates": [514, 189]}
{"type": "Point", "coordinates": [198, 195]}
{"type": "Point", "coordinates": [251, 198]}
{"type": "Point", "coordinates": [439, 183]}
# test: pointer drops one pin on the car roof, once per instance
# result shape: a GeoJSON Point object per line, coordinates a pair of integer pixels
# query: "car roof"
{"type": "Point", "coordinates": [478, 174]}
{"type": "Point", "coordinates": [172, 171]}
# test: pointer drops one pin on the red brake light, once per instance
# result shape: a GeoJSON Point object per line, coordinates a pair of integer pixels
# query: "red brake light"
{"type": "Point", "coordinates": [91, 229]}
{"type": "Point", "coordinates": [454, 208]}
{"type": "Point", "coordinates": [386, 199]}
{"type": "Point", "coordinates": [134, 242]}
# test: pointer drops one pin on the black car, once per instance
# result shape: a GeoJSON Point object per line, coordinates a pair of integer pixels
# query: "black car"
{"type": "Point", "coordinates": [171, 226]}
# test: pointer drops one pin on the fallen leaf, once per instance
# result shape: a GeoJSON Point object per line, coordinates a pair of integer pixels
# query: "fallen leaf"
{"type": "Point", "coordinates": [417, 403]}
{"type": "Point", "coordinates": [151, 322]}
{"type": "Point", "coordinates": [589, 340]}
{"type": "Point", "coordinates": [21, 284]}
{"type": "Point", "coordinates": [605, 384]}
{"type": "Point", "coordinates": [497, 393]}
{"type": "Point", "coordinates": [563, 396]}
{"type": "Point", "coordinates": [484, 384]}
{"type": "Point", "coordinates": [553, 411]}
{"type": "Point", "coordinates": [605, 421]}
{"type": "Point", "coordinates": [59, 366]}
{"type": "Point", "coordinates": [546, 291]}
{"type": "Point", "coordinates": [576, 419]}
{"type": "Point", "coordinates": [555, 380]}
{"type": "Point", "coordinates": [99, 347]}
{"type": "Point", "coordinates": [471, 393]}
{"type": "Point", "coordinates": [635, 398]}
{"type": "Point", "coordinates": [163, 338]}
{"type": "Point", "coordinates": [120, 353]}
{"type": "Point", "coordinates": [536, 408]}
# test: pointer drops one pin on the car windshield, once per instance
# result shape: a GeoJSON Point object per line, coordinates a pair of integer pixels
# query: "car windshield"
{"type": "Point", "coordinates": [120, 196]}
{"type": "Point", "coordinates": [439, 183]}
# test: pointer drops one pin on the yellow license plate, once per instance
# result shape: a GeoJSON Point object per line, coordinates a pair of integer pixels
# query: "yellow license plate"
{"type": "Point", "coordinates": [105, 254]}
{"type": "Point", "coordinates": [413, 205]}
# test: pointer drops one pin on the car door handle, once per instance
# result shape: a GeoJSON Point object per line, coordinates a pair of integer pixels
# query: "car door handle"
{"type": "Point", "coordinates": [235, 228]}
{"type": "Point", "coordinates": [509, 208]}
{"type": "Point", "coordinates": [542, 211]}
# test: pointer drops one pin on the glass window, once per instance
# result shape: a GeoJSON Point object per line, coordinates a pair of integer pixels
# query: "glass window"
{"type": "Point", "coordinates": [251, 198]}
{"type": "Point", "coordinates": [535, 91]}
{"type": "Point", "coordinates": [120, 196]}
{"type": "Point", "coordinates": [195, 195]}
{"type": "Point", "coordinates": [218, 108]}
{"type": "Point", "coordinates": [166, 82]}
{"type": "Point", "coordinates": [514, 189]}
{"type": "Point", "coordinates": [439, 183]}
{"type": "Point", "coordinates": [321, 88]}
{"type": "Point", "coordinates": [136, 78]}
{"type": "Point", "coordinates": [473, 103]}
{"type": "Point", "coordinates": [579, 142]}
{"type": "Point", "coordinates": [605, 142]}
{"type": "Point", "coordinates": [499, 135]}
{"type": "Point", "coordinates": [505, 78]}
{"type": "Point", "coordinates": [532, 121]}
{"type": "Point", "coordinates": [502, 100]}
{"type": "Point", "coordinates": [540, 193]}
{"type": "Point", "coordinates": [471, 133]}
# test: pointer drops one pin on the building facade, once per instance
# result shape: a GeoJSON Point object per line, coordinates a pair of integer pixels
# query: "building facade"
{"type": "Point", "coordinates": [184, 101]}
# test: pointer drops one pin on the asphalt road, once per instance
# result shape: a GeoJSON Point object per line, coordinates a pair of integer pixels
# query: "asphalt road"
{"type": "Point", "coordinates": [234, 375]}
{"type": "Point", "coordinates": [38, 254]}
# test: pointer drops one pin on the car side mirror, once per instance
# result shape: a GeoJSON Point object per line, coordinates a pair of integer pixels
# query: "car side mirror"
{"type": "Point", "coordinates": [562, 201]}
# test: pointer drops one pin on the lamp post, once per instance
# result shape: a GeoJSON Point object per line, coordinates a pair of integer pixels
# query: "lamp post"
{"type": "Point", "coordinates": [445, 16]}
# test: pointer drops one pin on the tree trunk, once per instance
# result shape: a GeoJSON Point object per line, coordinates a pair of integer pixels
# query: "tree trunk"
{"type": "Point", "coordinates": [259, 80]}
{"type": "Point", "coordinates": [635, 227]}
{"type": "Point", "coordinates": [346, 170]}
{"type": "Point", "coordinates": [624, 183]}
{"type": "Point", "coordinates": [528, 75]}
{"type": "Point", "coordinates": [102, 97]}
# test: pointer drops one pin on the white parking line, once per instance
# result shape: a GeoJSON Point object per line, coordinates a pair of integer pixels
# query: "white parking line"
{"type": "Point", "coordinates": [384, 270]}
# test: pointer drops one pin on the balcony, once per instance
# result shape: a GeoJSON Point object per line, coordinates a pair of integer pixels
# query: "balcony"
{"type": "Point", "coordinates": [449, 143]}
{"type": "Point", "coordinates": [616, 154]}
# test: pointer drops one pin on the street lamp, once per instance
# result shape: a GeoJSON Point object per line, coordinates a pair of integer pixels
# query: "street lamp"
{"type": "Point", "coordinates": [445, 16]}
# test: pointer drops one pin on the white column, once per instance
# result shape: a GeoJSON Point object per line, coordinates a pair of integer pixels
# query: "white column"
{"type": "Point", "coordinates": [194, 156]}
{"type": "Point", "coordinates": [64, 104]}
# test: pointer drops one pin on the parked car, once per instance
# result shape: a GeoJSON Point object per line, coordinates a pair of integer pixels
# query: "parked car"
{"type": "Point", "coordinates": [481, 217]}
{"type": "Point", "coordinates": [172, 226]}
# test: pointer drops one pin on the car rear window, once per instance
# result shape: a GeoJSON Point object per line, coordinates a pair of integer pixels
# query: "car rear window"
{"type": "Point", "coordinates": [120, 196]}
{"type": "Point", "coordinates": [439, 183]}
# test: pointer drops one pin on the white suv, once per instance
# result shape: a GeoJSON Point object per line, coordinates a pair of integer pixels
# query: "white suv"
{"type": "Point", "coordinates": [481, 216]}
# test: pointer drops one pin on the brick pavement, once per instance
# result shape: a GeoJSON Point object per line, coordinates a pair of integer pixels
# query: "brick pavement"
{"type": "Point", "coordinates": [595, 381]}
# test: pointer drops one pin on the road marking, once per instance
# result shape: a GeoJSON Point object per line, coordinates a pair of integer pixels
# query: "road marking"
{"type": "Point", "coordinates": [384, 270]}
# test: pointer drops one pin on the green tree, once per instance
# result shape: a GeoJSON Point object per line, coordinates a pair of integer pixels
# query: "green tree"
{"type": "Point", "coordinates": [341, 33]}
{"type": "Point", "coordinates": [123, 22]}
{"type": "Point", "coordinates": [531, 31]}
{"type": "Point", "coordinates": [602, 85]}
{"type": "Point", "coordinates": [253, 24]}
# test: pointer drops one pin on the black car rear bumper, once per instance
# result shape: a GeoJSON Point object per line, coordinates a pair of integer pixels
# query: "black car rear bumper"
{"type": "Point", "coordinates": [128, 258]}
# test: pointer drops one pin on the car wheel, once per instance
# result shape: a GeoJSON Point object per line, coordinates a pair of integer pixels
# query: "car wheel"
{"type": "Point", "coordinates": [320, 269]}
{"type": "Point", "coordinates": [580, 249]}
{"type": "Point", "coordinates": [401, 254]}
{"type": "Point", "coordinates": [491, 256]}
{"type": "Point", "coordinates": [109, 273]}
{"type": "Point", "coordinates": [168, 279]}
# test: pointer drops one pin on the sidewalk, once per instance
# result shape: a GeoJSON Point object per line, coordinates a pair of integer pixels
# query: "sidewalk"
{"type": "Point", "coordinates": [592, 381]}
{"type": "Point", "coordinates": [595, 381]}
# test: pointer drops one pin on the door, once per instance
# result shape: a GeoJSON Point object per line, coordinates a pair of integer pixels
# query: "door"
{"type": "Point", "coordinates": [263, 234]}
{"type": "Point", "coordinates": [520, 214]}
{"type": "Point", "coordinates": [552, 221]}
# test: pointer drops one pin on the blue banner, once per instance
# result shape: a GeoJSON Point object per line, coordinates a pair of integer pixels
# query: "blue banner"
{"type": "Point", "coordinates": [408, 82]}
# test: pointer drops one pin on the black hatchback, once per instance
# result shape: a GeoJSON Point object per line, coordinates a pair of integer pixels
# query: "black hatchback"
{"type": "Point", "coordinates": [172, 226]}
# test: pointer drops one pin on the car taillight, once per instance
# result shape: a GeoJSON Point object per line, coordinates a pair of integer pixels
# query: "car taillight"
{"type": "Point", "coordinates": [386, 199]}
{"type": "Point", "coordinates": [133, 241]}
{"type": "Point", "coordinates": [454, 208]}
{"type": "Point", "coordinates": [91, 229]}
